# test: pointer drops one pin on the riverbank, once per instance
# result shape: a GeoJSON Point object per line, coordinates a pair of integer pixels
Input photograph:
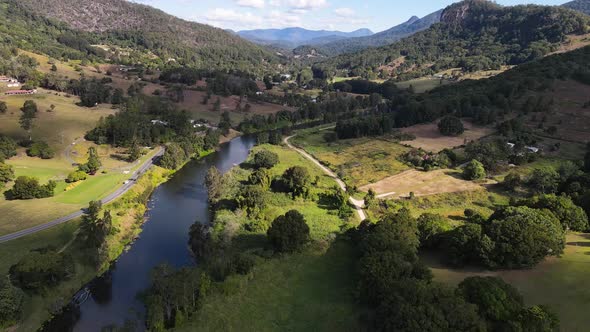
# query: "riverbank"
{"type": "Point", "coordinates": [128, 212]}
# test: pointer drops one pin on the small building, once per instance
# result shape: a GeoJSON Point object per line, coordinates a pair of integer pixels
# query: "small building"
{"type": "Point", "coordinates": [259, 93]}
{"type": "Point", "coordinates": [532, 149]}
{"type": "Point", "coordinates": [20, 92]}
{"type": "Point", "coordinates": [159, 122]}
{"type": "Point", "coordinates": [511, 145]}
{"type": "Point", "coordinates": [286, 76]}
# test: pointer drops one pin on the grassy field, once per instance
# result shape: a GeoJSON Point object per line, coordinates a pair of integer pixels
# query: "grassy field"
{"type": "Point", "coordinates": [423, 84]}
{"type": "Point", "coordinates": [310, 291]}
{"type": "Point", "coordinates": [429, 138]}
{"type": "Point", "coordinates": [357, 161]}
{"type": "Point", "coordinates": [321, 220]}
{"type": "Point", "coordinates": [306, 291]}
{"type": "Point", "coordinates": [561, 283]}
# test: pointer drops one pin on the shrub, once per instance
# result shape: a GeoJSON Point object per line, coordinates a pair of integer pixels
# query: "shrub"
{"type": "Point", "coordinates": [41, 150]}
{"type": "Point", "coordinates": [11, 303]}
{"type": "Point", "coordinates": [288, 233]}
{"type": "Point", "coordinates": [265, 159]}
{"type": "Point", "coordinates": [512, 181]}
{"type": "Point", "coordinates": [474, 170]}
{"type": "Point", "coordinates": [430, 228]}
{"type": "Point", "coordinates": [451, 126]}
{"type": "Point", "coordinates": [544, 180]}
{"type": "Point", "coordinates": [76, 176]}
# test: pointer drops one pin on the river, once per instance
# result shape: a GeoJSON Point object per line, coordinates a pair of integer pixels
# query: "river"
{"type": "Point", "coordinates": [173, 208]}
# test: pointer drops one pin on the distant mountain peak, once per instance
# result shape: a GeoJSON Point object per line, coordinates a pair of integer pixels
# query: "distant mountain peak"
{"type": "Point", "coordinates": [456, 13]}
{"type": "Point", "coordinates": [413, 19]}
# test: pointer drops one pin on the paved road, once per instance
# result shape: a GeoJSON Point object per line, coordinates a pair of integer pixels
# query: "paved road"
{"type": "Point", "coordinates": [119, 192]}
{"type": "Point", "coordinates": [358, 204]}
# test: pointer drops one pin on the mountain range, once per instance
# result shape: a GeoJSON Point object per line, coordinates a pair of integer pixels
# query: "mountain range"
{"type": "Point", "coordinates": [293, 37]}
{"type": "Point", "coordinates": [390, 36]}
{"type": "Point", "coordinates": [472, 35]}
{"type": "Point", "coordinates": [128, 24]}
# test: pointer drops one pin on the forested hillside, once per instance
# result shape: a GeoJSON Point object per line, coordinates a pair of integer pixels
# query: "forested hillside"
{"type": "Point", "coordinates": [522, 89]}
{"type": "Point", "coordinates": [579, 5]}
{"type": "Point", "coordinates": [473, 35]}
{"type": "Point", "coordinates": [126, 24]}
{"type": "Point", "coordinates": [386, 37]}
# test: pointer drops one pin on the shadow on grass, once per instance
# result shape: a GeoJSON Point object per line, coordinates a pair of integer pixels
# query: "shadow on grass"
{"type": "Point", "coordinates": [579, 244]}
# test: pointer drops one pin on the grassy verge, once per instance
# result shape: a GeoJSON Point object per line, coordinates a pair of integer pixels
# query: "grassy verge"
{"type": "Point", "coordinates": [309, 291]}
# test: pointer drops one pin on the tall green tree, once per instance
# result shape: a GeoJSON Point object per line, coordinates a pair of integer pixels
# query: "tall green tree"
{"type": "Point", "coordinates": [289, 232]}
{"type": "Point", "coordinates": [213, 182]}
{"type": "Point", "coordinates": [28, 115]}
{"type": "Point", "coordinates": [297, 179]}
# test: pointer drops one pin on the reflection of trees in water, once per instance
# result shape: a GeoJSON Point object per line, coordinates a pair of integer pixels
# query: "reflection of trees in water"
{"type": "Point", "coordinates": [101, 289]}
{"type": "Point", "coordinates": [63, 322]}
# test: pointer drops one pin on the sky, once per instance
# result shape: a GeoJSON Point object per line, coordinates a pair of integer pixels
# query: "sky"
{"type": "Point", "coordinates": [342, 15]}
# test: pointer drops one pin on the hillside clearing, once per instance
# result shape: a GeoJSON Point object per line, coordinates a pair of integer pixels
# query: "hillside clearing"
{"type": "Point", "coordinates": [429, 138]}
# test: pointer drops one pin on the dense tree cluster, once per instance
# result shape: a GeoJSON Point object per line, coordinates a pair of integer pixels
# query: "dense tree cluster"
{"type": "Point", "coordinates": [6, 174]}
{"type": "Point", "coordinates": [40, 149]}
{"type": "Point", "coordinates": [95, 229]}
{"type": "Point", "coordinates": [29, 188]}
{"type": "Point", "coordinates": [451, 126]}
{"type": "Point", "coordinates": [513, 237]}
{"type": "Point", "coordinates": [7, 148]}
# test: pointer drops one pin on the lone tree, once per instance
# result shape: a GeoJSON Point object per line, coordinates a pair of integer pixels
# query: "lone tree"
{"type": "Point", "coordinates": [288, 233]}
{"type": "Point", "coordinates": [474, 170]}
{"type": "Point", "coordinates": [3, 107]}
{"type": "Point", "coordinates": [451, 126]}
{"type": "Point", "coordinates": [265, 159]}
{"type": "Point", "coordinates": [29, 113]}
{"type": "Point", "coordinates": [296, 179]}
{"type": "Point", "coordinates": [93, 164]}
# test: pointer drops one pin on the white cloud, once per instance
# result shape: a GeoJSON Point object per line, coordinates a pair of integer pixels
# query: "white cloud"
{"type": "Point", "coordinates": [251, 3]}
{"type": "Point", "coordinates": [229, 18]}
{"type": "Point", "coordinates": [299, 5]}
{"type": "Point", "coordinates": [345, 12]}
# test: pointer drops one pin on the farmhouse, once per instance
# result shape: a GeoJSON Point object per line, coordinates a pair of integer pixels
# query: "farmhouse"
{"type": "Point", "coordinates": [159, 122]}
{"type": "Point", "coordinates": [6, 79]}
{"type": "Point", "coordinates": [20, 92]}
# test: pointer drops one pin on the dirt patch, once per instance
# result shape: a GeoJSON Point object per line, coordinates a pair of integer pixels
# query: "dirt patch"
{"type": "Point", "coordinates": [421, 184]}
{"type": "Point", "coordinates": [429, 138]}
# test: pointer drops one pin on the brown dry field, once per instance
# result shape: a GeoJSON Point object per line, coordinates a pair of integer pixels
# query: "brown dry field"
{"type": "Point", "coordinates": [421, 184]}
{"type": "Point", "coordinates": [430, 139]}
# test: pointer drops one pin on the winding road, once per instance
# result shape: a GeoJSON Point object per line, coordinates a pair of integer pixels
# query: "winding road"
{"type": "Point", "coordinates": [358, 204]}
{"type": "Point", "coordinates": [116, 194]}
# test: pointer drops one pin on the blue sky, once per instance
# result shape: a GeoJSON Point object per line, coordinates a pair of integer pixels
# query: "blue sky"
{"type": "Point", "coordinates": [344, 15]}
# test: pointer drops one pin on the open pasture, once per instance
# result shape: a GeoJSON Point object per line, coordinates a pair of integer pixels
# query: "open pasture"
{"type": "Point", "coordinates": [422, 183]}
{"type": "Point", "coordinates": [429, 138]}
